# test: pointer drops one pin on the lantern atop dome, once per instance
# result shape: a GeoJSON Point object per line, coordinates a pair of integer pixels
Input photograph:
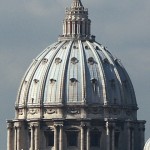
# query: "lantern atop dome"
{"type": "Point", "coordinates": [76, 24]}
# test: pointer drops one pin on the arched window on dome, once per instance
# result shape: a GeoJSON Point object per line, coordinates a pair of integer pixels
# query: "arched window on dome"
{"type": "Point", "coordinates": [73, 81]}
{"type": "Point", "coordinates": [94, 84]}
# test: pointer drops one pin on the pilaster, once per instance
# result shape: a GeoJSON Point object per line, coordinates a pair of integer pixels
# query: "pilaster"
{"type": "Point", "coordinates": [61, 132]}
{"type": "Point", "coordinates": [17, 141]}
{"type": "Point", "coordinates": [55, 137]}
{"type": "Point", "coordinates": [10, 135]}
{"type": "Point", "coordinates": [107, 135]}
{"type": "Point", "coordinates": [37, 135]}
{"type": "Point", "coordinates": [88, 138]}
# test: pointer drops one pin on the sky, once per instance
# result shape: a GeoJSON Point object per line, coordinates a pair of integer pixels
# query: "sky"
{"type": "Point", "coordinates": [28, 26]}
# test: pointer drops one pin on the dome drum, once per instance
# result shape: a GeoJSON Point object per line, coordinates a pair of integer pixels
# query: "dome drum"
{"type": "Point", "coordinates": [83, 131]}
{"type": "Point", "coordinates": [76, 112]}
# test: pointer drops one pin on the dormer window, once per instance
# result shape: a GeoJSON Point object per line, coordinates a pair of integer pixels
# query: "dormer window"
{"type": "Point", "coordinates": [105, 60]}
{"type": "Point", "coordinates": [45, 60]}
{"type": "Point", "coordinates": [64, 47]}
{"type": "Point", "coordinates": [36, 80]}
{"type": "Point", "coordinates": [96, 47]}
{"type": "Point", "coordinates": [74, 60]}
{"type": "Point", "coordinates": [91, 60]}
{"type": "Point", "coordinates": [58, 60]}
{"type": "Point", "coordinates": [25, 81]}
{"type": "Point", "coordinates": [86, 47]}
{"type": "Point", "coordinates": [73, 81]}
{"type": "Point", "coordinates": [52, 81]}
{"type": "Point", "coordinates": [74, 47]}
{"type": "Point", "coordinates": [94, 82]}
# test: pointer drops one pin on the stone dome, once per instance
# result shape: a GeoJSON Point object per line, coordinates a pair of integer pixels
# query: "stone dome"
{"type": "Point", "coordinates": [76, 71]}
{"type": "Point", "coordinates": [76, 96]}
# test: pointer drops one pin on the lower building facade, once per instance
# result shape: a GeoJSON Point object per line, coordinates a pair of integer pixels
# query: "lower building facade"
{"type": "Point", "coordinates": [82, 134]}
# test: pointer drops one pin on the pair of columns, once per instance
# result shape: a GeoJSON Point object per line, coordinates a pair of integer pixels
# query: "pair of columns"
{"type": "Point", "coordinates": [110, 134]}
{"type": "Point", "coordinates": [35, 137]}
{"type": "Point", "coordinates": [61, 142]}
{"type": "Point", "coordinates": [60, 135]}
{"type": "Point", "coordinates": [75, 27]}
{"type": "Point", "coordinates": [13, 136]}
{"type": "Point", "coordinates": [9, 135]}
{"type": "Point", "coordinates": [142, 134]}
{"type": "Point", "coordinates": [85, 138]}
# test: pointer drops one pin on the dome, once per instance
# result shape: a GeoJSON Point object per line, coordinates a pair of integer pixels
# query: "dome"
{"type": "Point", "coordinates": [147, 145]}
{"type": "Point", "coordinates": [76, 71]}
{"type": "Point", "coordinates": [75, 96]}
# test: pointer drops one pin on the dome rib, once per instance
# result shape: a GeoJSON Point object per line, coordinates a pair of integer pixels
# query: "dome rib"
{"type": "Point", "coordinates": [64, 72]}
{"type": "Point", "coordinates": [25, 83]}
{"type": "Point", "coordinates": [103, 80]}
{"type": "Point", "coordinates": [82, 58]}
{"type": "Point", "coordinates": [130, 91]}
{"type": "Point", "coordinates": [54, 53]}
{"type": "Point", "coordinates": [51, 58]}
{"type": "Point", "coordinates": [117, 77]}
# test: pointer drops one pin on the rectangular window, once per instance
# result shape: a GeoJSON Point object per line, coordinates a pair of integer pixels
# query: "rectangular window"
{"type": "Point", "coordinates": [95, 138]}
{"type": "Point", "coordinates": [49, 135]}
{"type": "Point", "coordinates": [29, 138]}
{"type": "Point", "coordinates": [72, 138]}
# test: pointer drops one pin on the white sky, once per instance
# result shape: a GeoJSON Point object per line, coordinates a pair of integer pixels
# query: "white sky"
{"type": "Point", "coordinates": [29, 26]}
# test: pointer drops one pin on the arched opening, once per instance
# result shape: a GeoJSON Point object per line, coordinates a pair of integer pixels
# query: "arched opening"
{"type": "Point", "coordinates": [49, 136]}
{"type": "Point", "coordinates": [95, 136]}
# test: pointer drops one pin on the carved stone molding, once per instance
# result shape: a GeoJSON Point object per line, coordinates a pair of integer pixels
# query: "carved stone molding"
{"type": "Point", "coordinates": [73, 110]}
{"type": "Point", "coordinates": [17, 124]}
{"type": "Point", "coordinates": [33, 111]}
{"type": "Point", "coordinates": [34, 124]}
{"type": "Point", "coordinates": [95, 110]}
{"type": "Point", "coordinates": [9, 125]}
{"type": "Point", "coordinates": [20, 111]}
{"type": "Point", "coordinates": [50, 111]}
